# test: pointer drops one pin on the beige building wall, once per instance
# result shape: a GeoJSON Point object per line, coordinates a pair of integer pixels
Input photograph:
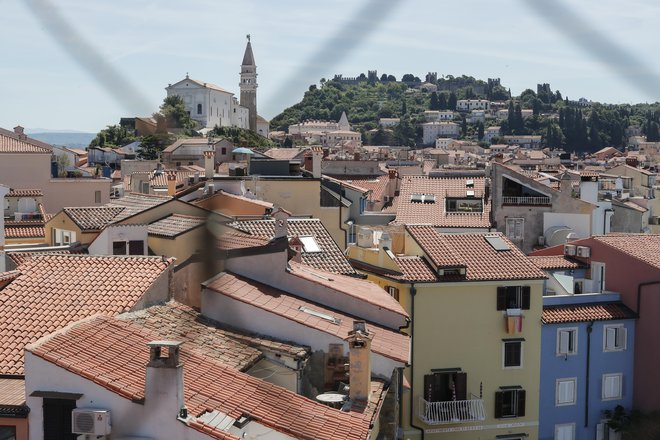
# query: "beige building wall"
{"type": "Point", "coordinates": [60, 193]}
{"type": "Point", "coordinates": [181, 247]}
{"type": "Point", "coordinates": [21, 426]}
{"type": "Point", "coordinates": [63, 221]}
{"type": "Point", "coordinates": [23, 171]}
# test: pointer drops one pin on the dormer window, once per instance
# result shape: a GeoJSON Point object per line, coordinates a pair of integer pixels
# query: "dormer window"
{"type": "Point", "coordinates": [464, 205]}
{"type": "Point", "coordinates": [422, 198]}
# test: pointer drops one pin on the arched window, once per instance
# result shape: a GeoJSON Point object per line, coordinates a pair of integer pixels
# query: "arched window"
{"type": "Point", "coordinates": [199, 109]}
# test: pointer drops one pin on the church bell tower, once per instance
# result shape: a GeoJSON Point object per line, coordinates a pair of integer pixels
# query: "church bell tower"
{"type": "Point", "coordinates": [248, 85]}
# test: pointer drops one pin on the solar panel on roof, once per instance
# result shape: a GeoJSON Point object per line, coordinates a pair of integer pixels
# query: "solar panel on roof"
{"type": "Point", "coordinates": [497, 243]}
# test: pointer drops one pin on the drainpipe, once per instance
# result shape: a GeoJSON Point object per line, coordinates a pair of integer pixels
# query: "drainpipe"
{"type": "Point", "coordinates": [605, 219]}
{"type": "Point", "coordinates": [586, 392]}
{"type": "Point", "coordinates": [413, 292]}
{"type": "Point", "coordinates": [639, 295]}
{"type": "Point", "coordinates": [341, 190]}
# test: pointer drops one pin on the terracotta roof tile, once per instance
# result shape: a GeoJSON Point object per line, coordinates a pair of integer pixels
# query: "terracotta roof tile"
{"type": "Point", "coordinates": [240, 240]}
{"type": "Point", "coordinates": [19, 257]}
{"type": "Point", "coordinates": [134, 203]}
{"type": "Point", "coordinates": [9, 275]}
{"type": "Point", "coordinates": [415, 269]}
{"type": "Point", "coordinates": [386, 342]}
{"type": "Point", "coordinates": [25, 193]}
{"type": "Point", "coordinates": [55, 290]}
{"type": "Point", "coordinates": [586, 312]}
{"type": "Point", "coordinates": [113, 354]}
{"type": "Point", "coordinates": [415, 213]}
{"type": "Point", "coordinates": [472, 251]}
{"type": "Point", "coordinates": [12, 392]}
{"type": "Point", "coordinates": [376, 184]}
{"type": "Point", "coordinates": [93, 218]}
{"type": "Point", "coordinates": [553, 262]}
{"type": "Point", "coordinates": [10, 143]}
{"type": "Point", "coordinates": [24, 231]}
{"type": "Point", "coordinates": [330, 258]}
{"type": "Point", "coordinates": [284, 153]}
{"type": "Point", "coordinates": [174, 225]}
{"type": "Point", "coordinates": [644, 247]}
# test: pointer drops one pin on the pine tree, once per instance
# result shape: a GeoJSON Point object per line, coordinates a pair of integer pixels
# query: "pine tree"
{"type": "Point", "coordinates": [442, 101]}
{"type": "Point", "coordinates": [480, 130]}
{"type": "Point", "coordinates": [452, 101]}
{"type": "Point", "coordinates": [435, 104]}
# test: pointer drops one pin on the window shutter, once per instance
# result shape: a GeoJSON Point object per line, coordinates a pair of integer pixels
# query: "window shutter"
{"type": "Point", "coordinates": [428, 387]}
{"type": "Point", "coordinates": [600, 429]}
{"type": "Point", "coordinates": [501, 298]}
{"type": "Point", "coordinates": [521, 403]}
{"type": "Point", "coordinates": [460, 386]}
{"type": "Point", "coordinates": [621, 338]}
{"type": "Point", "coordinates": [499, 398]}
{"type": "Point", "coordinates": [136, 247]}
{"type": "Point", "coordinates": [563, 342]}
{"type": "Point", "coordinates": [525, 297]}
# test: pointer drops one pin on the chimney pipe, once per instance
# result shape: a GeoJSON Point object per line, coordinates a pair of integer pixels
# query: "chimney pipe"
{"type": "Point", "coordinates": [163, 393]}
{"type": "Point", "coordinates": [316, 164]}
{"type": "Point", "coordinates": [209, 164]}
{"type": "Point", "coordinates": [171, 183]}
{"type": "Point", "coordinates": [281, 217]}
{"type": "Point", "coordinates": [359, 367]}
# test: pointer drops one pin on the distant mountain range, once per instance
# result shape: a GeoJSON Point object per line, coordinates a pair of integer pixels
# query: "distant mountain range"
{"type": "Point", "coordinates": [73, 139]}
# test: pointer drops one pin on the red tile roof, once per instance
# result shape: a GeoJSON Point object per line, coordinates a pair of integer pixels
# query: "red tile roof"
{"type": "Point", "coordinates": [25, 193]}
{"type": "Point", "coordinates": [586, 312]}
{"type": "Point", "coordinates": [284, 153]}
{"type": "Point", "coordinates": [361, 289]}
{"type": "Point", "coordinates": [11, 143]}
{"type": "Point", "coordinates": [240, 240]}
{"type": "Point", "coordinates": [24, 231]}
{"type": "Point", "coordinates": [553, 262]}
{"type": "Point", "coordinates": [174, 225]}
{"type": "Point", "coordinates": [134, 203]}
{"type": "Point", "coordinates": [92, 218]}
{"type": "Point", "coordinates": [376, 184]}
{"type": "Point", "coordinates": [415, 269]}
{"type": "Point", "coordinates": [19, 257]}
{"type": "Point", "coordinates": [113, 354]}
{"type": "Point", "coordinates": [414, 213]}
{"type": "Point", "coordinates": [12, 392]}
{"type": "Point", "coordinates": [472, 251]}
{"type": "Point", "coordinates": [644, 247]}
{"type": "Point", "coordinates": [386, 342]}
{"type": "Point", "coordinates": [55, 290]}
{"type": "Point", "coordinates": [331, 258]}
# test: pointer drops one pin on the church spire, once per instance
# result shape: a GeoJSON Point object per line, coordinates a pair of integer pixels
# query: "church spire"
{"type": "Point", "coordinates": [248, 85]}
{"type": "Point", "coordinates": [248, 58]}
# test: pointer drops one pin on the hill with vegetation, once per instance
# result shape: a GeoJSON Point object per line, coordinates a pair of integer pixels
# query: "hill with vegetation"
{"type": "Point", "coordinates": [580, 126]}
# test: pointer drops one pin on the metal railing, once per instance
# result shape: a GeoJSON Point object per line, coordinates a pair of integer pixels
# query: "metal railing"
{"type": "Point", "coordinates": [526, 200]}
{"type": "Point", "coordinates": [452, 411]}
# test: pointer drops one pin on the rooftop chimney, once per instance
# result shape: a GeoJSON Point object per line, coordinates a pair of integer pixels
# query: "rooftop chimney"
{"type": "Point", "coordinates": [209, 164]}
{"type": "Point", "coordinates": [281, 217]}
{"type": "Point", "coordinates": [297, 246]}
{"type": "Point", "coordinates": [316, 164]}
{"type": "Point", "coordinates": [19, 131]}
{"type": "Point", "coordinates": [163, 393]}
{"type": "Point", "coordinates": [171, 183]}
{"type": "Point", "coordinates": [359, 367]}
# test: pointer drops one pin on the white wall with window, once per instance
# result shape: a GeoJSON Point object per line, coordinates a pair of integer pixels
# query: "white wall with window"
{"type": "Point", "coordinates": [566, 391]}
{"type": "Point", "coordinates": [120, 240]}
{"type": "Point", "coordinates": [612, 388]}
{"type": "Point", "coordinates": [567, 341]}
{"type": "Point", "coordinates": [62, 236]}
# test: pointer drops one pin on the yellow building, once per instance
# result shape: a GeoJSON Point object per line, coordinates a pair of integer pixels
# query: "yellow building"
{"type": "Point", "coordinates": [475, 301]}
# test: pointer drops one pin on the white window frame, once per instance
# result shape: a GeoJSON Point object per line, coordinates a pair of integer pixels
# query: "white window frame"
{"type": "Point", "coordinates": [571, 426]}
{"type": "Point", "coordinates": [559, 341]}
{"type": "Point", "coordinates": [511, 227]}
{"type": "Point", "coordinates": [601, 271]}
{"type": "Point", "coordinates": [522, 355]}
{"type": "Point", "coordinates": [604, 386]}
{"type": "Point", "coordinates": [616, 333]}
{"type": "Point", "coordinates": [565, 402]}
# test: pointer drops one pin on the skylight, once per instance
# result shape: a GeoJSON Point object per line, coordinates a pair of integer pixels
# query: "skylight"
{"type": "Point", "coordinates": [321, 315]}
{"type": "Point", "coordinates": [309, 244]}
{"type": "Point", "coordinates": [422, 198]}
{"type": "Point", "coordinates": [497, 243]}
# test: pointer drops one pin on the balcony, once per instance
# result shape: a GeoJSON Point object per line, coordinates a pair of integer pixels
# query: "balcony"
{"type": "Point", "coordinates": [526, 201]}
{"type": "Point", "coordinates": [452, 411]}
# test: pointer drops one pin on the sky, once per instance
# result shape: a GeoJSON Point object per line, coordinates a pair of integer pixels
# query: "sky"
{"type": "Point", "coordinates": [84, 64]}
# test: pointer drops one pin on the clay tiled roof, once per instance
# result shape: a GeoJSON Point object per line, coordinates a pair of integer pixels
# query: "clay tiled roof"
{"type": "Point", "coordinates": [55, 290]}
{"type": "Point", "coordinates": [179, 322]}
{"type": "Point", "coordinates": [330, 259]}
{"type": "Point", "coordinates": [376, 184]}
{"type": "Point", "coordinates": [93, 218]}
{"type": "Point", "coordinates": [174, 225]}
{"type": "Point", "coordinates": [12, 392]}
{"type": "Point", "coordinates": [472, 251]}
{"type": "Point", "coordinates": [386, 342]}
{"type": "Point", "coordinates": [415, 269]}
{"type": "Point", "coordinates": [24, 231]}
{"type": "Point", "coordinates": [586, 312]}
{"type": "Point", "coordinates": [134, 203]}
{"type": "Point", "coordinates": [10, 143]}
{"type": "Point", "coordinates": [284, 153]}
{"type": "Point", "coordinates": [240, 240]}
{"type": "Point", "coordinates": [415, 213]}
{"type": "Point", "coordinates": [554, 262]}
{"type": "Point", "coordinates": [20, 257]}
{"type": "Point", "coordinates": [25, 193]}
{"type": "Point", "coordinates": [113, 354]}
{"type": "Point", "coordinates": [644, 247]}
{"type": "Point", "coordinates": [361, 289]}
{"type": "Point", "coordinates": [9, 275]}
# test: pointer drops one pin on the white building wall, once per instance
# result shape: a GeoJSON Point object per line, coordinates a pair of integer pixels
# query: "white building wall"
{"type": "Point", "coordinates": [102, 244]}
{"type": "Point", "coordinates": [579, 223]}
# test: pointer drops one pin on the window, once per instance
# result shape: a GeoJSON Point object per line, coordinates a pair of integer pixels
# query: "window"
{"type": "Point", "coordinates": [612, 386]}
{"type": "Point", "coordinates": [57, 419]}
{"type": "Point", "coordinates": [136, 247]}
{"type": "Point", "coordinates": [509, 402]}
{"type": "Point", "coordinates": [97, 196]}
{"type": "Point", "coordinates": [614, 337]}
{"type": "Point", "coordinates": [445, 386]}
{"type": "Point", "coordinates": [604, 432]}
{"type": "Point", "coordinates": [199, 109]}
{"type": "Point", "coordinates": [566, 391]}
{"type": "Point", "coordinates": [223, 150]}
{"type": "Point", "coordinates": [118, 248]}
{"type": "Point", "coordinates": [393, 291]}
{"type": "Point", "coordinates": [7, 433]}
{"type": "Point", "coordinates": [565, 431]}
{"type": "Point", "coordinates": [514, 228]}
{"type": "Point", "coordinates": [513, 297]}
{"type": "Point", "coordinates": [464, 205]}
{"type": "Point", "coordinates": [512, 350]}
{"type": "Point", "coordinates": [566, 341]}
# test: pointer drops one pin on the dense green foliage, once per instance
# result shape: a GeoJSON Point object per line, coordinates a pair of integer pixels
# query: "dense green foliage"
{"type": "Point", "coordinates": [580, 127]}
{"type": "Point", "coordinates": [174, 111]}
{"type": "Point", "coordinates": [243, 137]}
{"type": "Point", "coordinates": [634, 425]}
{"type": "Point", "coordinates": [113, 136]}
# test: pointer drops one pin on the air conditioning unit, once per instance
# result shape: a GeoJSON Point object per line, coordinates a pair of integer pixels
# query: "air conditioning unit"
{"type": "Point", "coordinates": [583, 251]}
{"type": "Point", "coordinates": [90, 421]}
{"type": "Point", "coordinates": [569, 249]}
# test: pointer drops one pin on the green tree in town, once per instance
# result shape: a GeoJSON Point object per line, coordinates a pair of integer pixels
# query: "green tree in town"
{"type": "Point", "coordinates": [113, 136]}
{"type": "Point", "coordinates": [451, 103]}
{"type": "Point", "coordinates": [435, 103]}
{"type": "Point", "coordinates": [480, 130]}
{"type": "Point", "coordinates": [176, 116]}
{"type": "Point", "coordinates": [442, 101]}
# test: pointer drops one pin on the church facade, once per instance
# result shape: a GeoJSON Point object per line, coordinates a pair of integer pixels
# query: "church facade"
{"type": "Point", "coordinates": [212, 105]}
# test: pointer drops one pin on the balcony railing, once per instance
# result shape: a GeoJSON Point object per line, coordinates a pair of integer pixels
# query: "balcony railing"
{"type": "Point", "coordinates": [527, 200]}
{"type": "Point", "coordinates": [453, 411]}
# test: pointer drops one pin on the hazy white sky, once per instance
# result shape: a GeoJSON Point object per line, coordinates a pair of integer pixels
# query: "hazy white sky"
{"type": "Point", "coordinates": [121, 54]}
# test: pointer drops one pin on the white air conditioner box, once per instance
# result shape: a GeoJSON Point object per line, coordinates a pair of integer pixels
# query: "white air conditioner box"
{"type": "Point", "coordinates": [90, 421]}
{"type": "Point", "coordinates": [569, 249]}
{"type": "Point", "coordinates": [583, 251]}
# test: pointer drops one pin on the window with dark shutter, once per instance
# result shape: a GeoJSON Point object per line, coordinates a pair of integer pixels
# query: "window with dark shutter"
{"type": "Point", "coordinates": [57, 419]}
{"type": "Point", "coordinates": [499, 397]}
{"type": "Point", "coordinates": [136, 247]}
{"type": "Point", "coordinates": [118, 248]}
{"type": "Point", "coordinates": [501, 298]}
{"type": "Point", "coordinates": [525, 297]}
{"type": "Point", "coordinates": [513, 297]}
{"type": "Point", "coordinates": [509, 402]}
{"type": "Point", "coordinates": [521, 403]}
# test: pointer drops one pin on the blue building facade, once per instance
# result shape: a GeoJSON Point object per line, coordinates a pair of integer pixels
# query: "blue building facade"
{"type": "Point", "coordinates": [587, 352]}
